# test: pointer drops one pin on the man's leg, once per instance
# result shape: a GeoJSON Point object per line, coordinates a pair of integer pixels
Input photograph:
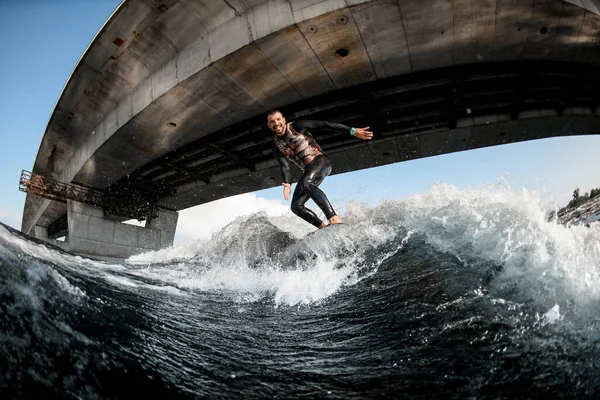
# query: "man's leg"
{"type": "Point", "coordinates": [313, 176]}
{"type": "Point", "coordinates": [298, 208]}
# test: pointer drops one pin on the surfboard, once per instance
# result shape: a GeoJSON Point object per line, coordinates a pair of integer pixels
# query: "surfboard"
{"type": "Point", "coordinates": [329, 228]}
{"type": "Point", "coordinates": [341, 226]}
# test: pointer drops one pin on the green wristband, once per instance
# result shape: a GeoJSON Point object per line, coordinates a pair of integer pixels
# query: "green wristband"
{"type": "Point", "coordinates": [352, 131]}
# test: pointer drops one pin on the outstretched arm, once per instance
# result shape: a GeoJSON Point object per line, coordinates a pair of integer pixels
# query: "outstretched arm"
{"type": "Point", "coordinates": [306, 125]}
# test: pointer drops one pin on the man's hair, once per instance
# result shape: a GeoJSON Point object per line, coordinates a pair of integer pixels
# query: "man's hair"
{"type": "Point", "coordinates": [273, 112]}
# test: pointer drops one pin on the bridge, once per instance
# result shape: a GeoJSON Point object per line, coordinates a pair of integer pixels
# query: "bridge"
{"type": "Point", "coordinates": [166, 109]}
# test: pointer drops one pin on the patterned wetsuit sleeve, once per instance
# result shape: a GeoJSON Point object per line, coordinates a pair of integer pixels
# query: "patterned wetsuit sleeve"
{"type": "Point", "coordinates": [303, 126]}
{"type": "Point", "coordinates": [286, 171]}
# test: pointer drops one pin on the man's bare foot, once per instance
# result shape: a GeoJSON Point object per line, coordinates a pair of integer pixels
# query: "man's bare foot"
{"type": "Point", "coordinates": [335, 220]}
{"type": "Point", "coordinates": [322, 226]}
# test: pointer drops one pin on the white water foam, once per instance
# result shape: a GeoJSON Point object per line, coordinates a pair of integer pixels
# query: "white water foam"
{"type": "Point", "coordinates": [36, 273]}
{"type": "Point", "coordinates": [553, 315]}
{"type": "Point", "coordinates": [110, 273]}
{"type": "Point", "coordinates": [545, 261]}
{"type": "Point", "coordinates": [252, 258]}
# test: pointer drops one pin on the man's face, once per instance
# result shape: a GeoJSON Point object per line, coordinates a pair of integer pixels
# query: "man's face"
{"type": "Point", "coordinates": [276, 123]}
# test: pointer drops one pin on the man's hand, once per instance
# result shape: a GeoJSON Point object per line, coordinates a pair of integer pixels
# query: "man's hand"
{"type": "Point", "coordinates": [287, 188]}
{"type": "Point", "coordinates": [363, 133]}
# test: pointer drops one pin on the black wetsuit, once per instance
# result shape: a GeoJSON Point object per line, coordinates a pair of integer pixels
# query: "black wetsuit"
{"type": "Point", "coordinates": [298, 146]}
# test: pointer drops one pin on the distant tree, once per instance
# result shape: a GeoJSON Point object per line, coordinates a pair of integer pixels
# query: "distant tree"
{"type": "Point", "coordinates": [575, 202]}
{"type": "Point", "coordinates": [577, 199]}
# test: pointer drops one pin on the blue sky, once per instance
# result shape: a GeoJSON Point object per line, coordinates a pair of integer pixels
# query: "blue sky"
{"type": "Point", "coordinates": [42, 41]}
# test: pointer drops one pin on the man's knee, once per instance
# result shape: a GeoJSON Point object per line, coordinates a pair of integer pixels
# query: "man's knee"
{"type": "Point", "coordinates": [297, 208]}
{"type": "Point", "coordinates": [307, 186]}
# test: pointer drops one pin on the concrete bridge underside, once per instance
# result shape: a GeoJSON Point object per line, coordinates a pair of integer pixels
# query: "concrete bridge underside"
{"type": "Point", "coordinates": [168, 102]}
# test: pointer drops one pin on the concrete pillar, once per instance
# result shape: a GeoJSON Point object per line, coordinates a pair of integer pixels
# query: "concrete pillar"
{"type": "Point", "coordinates": [166, 223]}
{"type": "Point", "coordinates": [91, 234]}
{"type": "Point", "coordinates": [40, 232]}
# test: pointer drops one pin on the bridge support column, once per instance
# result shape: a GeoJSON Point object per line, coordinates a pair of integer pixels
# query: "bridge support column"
{"type": "Point", "coordinates": [40, 232]}
{"type": "Point", "coordinates": [166, 223]}
{"type": "Point", "coordinates": [90, 233]}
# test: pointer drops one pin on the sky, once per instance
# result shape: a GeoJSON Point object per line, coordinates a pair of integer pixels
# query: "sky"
{"type": "Point", "coordinates": [41, 42]}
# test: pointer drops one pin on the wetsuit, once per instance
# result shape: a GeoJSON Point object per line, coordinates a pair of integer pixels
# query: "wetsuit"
{"type": "Point", "coordinates": [298, 146]}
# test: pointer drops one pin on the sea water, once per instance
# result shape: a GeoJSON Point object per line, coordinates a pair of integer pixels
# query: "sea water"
{"type": "Point", "coordinates": [445, 294]}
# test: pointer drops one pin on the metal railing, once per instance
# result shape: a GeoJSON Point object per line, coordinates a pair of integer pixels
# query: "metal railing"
{"type": "Point", "coordinates": [126, 201]}
{"type": "Point", "coordinates": [58, 191]}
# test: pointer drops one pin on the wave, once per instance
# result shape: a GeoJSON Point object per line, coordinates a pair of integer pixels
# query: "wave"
{"type": "Point", "coordinates": [537, 260]}
{"type": "Point", "coordinates": [251, 258]}
{"type": "Point", "coordinates": [474, 288]}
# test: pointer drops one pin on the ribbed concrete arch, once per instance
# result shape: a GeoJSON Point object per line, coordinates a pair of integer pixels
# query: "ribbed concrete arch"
{"type": "Point", "coordinates": [141, 53]}
{"type": "Point", "coordinates": [205, 65]}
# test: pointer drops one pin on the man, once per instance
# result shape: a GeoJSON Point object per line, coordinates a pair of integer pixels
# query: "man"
{"type": "Point", "coordinates": [294, 143]}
